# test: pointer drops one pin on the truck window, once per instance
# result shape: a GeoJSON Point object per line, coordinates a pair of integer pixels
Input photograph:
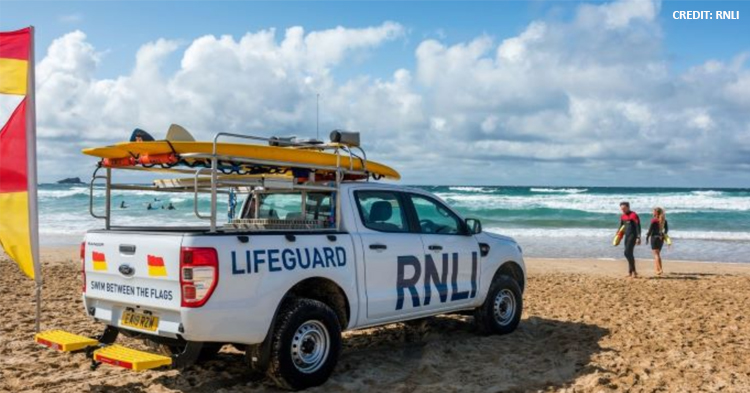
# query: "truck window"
{"type": "Point", "coordinates": [280, 206]}
{"type": "Point", "coordinates": [319, 206]}
{"type": "Point", "coordinates": [288, 206]}
{"type": "Point", "coordinates": [434, 217]}
{"type": "Point", "coordinates": [381, 211]}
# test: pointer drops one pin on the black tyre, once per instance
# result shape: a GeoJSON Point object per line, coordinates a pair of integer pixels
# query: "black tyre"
{"type": "Point", "coordinates": [305, 345]}
{"type": "Point", "coordinates": [501, 311]}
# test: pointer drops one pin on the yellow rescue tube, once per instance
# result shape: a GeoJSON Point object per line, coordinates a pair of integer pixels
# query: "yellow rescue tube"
{"type": "Point", "coordinates": [293, 155]}
{"type": "Point", "coordinates": [618, 236]}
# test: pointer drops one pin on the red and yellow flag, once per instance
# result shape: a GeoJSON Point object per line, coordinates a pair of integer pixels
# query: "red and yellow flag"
{"type": "Point", "coordinates": [14, 61]}
{"type": "Point", "coordinates": [100, 261]}
{"type": "Point", "coordinates": [18, 210]}
{"type": "Point", "coordinates": [156, 266]}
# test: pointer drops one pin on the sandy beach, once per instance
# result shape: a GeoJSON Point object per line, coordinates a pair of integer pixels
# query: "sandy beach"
{"type": "Point", "coordinates": [585, 328]}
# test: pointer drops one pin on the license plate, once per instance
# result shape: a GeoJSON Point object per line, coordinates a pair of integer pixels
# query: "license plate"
{"type": "Point", "coordinates": [139, 320]}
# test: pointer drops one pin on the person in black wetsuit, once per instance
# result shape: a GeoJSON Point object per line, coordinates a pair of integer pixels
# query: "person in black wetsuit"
{"type": "Point", "coordinates": [656, 232]}
{"type": "Point", "coordinates": [632, 224]}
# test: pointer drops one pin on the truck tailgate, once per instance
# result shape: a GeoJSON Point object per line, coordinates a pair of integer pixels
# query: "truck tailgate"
{"type": "Point", "coordinates": [133, 269]}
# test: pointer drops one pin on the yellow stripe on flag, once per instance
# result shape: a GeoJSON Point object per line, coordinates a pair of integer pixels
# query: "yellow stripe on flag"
{"type": "Point", "coordinates": [14, 229]}
{"type": "Point", "coordinates": [157, 271]}
{"type": "Point", "coordinates": [100, 265]}
{"type": "Point", "coordinates": [13, 73]}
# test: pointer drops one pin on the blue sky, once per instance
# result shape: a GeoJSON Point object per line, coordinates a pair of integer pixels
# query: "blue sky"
{"type": "Point", "coordinates": [673, 64]}
{"type": "Point", "coordinates": [122, 27]}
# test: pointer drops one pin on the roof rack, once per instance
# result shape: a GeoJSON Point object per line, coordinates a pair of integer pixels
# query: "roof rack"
{"type": "Point", "coordinates": [210, 174]}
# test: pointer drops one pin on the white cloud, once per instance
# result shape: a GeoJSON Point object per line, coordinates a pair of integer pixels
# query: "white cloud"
{"type": "Point", "coordinates": [558, 99]}
{"type": "Point", "coordinates": [618, 14]}
{"type": "Point", "coordinates": [699, 119]}
{"type": "Point", "coordinates": [513, 50]}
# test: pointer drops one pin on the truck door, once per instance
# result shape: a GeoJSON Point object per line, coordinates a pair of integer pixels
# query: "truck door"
{"type": "Point", "coordinates": [385, 238]}
{"type": "Point", "coordinates": [451, 266]}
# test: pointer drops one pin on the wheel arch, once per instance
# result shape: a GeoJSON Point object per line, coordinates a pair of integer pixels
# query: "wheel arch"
{"type": "Point", "coordinates": [514, 270]}
{"type": "Point", "coordinates": [324, 290]}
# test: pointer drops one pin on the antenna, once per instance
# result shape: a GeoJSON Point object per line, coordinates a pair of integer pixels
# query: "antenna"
{"type": "Point", "coordinates": [317, 116]}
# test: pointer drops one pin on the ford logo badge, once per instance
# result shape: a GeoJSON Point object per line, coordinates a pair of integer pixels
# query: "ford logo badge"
{"type": "Point", "coordinates": [126, 270]}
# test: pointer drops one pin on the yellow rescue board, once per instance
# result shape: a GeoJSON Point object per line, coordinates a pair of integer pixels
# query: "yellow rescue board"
{"type": "Point", "coordinates": [259, 152]}
{"type": "Point", "coordinates": [108, 152]}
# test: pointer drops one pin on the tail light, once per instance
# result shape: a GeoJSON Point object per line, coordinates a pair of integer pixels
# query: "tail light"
{"type": "Point", "coordinates": [199, 274]}
{"type": "Point", "coordinates": [83, 265]}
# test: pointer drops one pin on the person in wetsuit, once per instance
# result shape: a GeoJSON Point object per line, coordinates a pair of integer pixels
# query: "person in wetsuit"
{"type": "Point", "coordinates": [632, 237]}
{"type": "Point", "coordinates": [656, 232]}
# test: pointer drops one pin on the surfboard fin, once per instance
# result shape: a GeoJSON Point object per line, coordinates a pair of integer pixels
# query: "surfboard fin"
{"type": "Point", "coordinates": [177, 133]}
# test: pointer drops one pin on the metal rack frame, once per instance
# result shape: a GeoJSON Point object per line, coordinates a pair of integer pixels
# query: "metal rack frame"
{"type": "Point", "coordinates": [219, 183]}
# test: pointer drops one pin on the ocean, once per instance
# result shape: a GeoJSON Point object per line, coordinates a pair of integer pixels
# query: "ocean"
{"type": "Point", "coordinates": [569, 222]}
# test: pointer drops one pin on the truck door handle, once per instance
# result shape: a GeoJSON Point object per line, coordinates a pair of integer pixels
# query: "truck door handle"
{"type": "Point", "coordinates": [378, 246]}
{"type": "Point", "coordinates": [435, 247]}
{"type": "Point", "coordinates": [127, 249]}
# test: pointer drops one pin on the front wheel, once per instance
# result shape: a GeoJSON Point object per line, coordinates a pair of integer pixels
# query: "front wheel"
{"type": "Point", "coordinates": [305, 346]}
{"type": "Point", "coordinates": [501, 311]}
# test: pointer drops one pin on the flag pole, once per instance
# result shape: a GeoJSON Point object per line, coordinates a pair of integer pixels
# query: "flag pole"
{"type": "Point", "coordinates": [32, 178]}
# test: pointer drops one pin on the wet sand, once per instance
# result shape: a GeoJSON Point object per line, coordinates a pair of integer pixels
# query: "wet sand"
{"type": "Point", "coordinates": [585, 328]}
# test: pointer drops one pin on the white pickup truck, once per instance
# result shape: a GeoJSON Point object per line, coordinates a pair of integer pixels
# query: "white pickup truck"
{"type": "Point", "coordinates": [284, 296]}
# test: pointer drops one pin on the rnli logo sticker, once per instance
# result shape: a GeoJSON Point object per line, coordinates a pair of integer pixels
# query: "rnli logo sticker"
{"type": "Point", "coordinates": [156, 266]}
{"type": "Point", "coordinates": [100, 262]}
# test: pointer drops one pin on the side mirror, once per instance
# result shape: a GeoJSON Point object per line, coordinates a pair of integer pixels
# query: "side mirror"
{"type": "Point", "coordinates": [474, 225]}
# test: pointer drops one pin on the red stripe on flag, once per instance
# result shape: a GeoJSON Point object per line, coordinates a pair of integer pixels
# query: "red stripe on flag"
{"type": "Point", "coordinates": [15, 44]}
{"type": "Point", "coordinates": [155, 261]}
{"type": "Point", "coordinates": [13, 172]}
{"type": "Point", "coordinates": [97, 256]}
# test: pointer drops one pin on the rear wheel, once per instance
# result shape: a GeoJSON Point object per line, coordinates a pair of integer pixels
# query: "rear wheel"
{"type": "Point", "coordinates": [501, 311]}
{"type": "Point", "coordinates": [305, 345]}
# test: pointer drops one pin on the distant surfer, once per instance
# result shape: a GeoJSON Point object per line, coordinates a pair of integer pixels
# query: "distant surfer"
{"type": "Point", "coordinates": [657, 233]}
{"type": "Point", "coordinates": [122, 205]}
{"type": "Point", "coordinates": [149, 207]}
{"type": "Point", "coordinates": [171, 206]}
{"type": "Point", "coordinates": [632, 226]}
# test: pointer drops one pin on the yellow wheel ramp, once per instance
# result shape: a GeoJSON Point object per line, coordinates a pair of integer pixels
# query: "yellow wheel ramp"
{"type": "Point", "coordinates": [61, 340]}
{"type": "Point", "coordinates": [132, 359]}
